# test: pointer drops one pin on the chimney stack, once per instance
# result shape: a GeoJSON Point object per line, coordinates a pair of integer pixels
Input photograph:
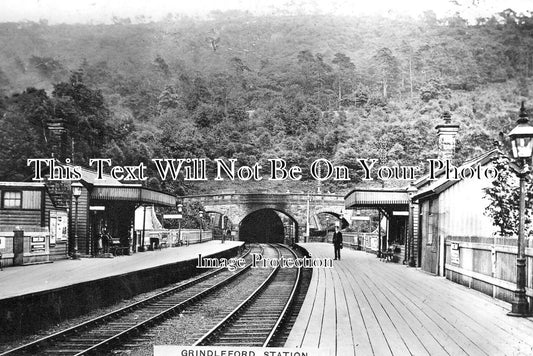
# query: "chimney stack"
{"type": "Point", "coordinates": [447, 133]}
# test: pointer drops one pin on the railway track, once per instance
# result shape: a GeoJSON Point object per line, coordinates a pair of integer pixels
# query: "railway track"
{"type": "Point", "coordinates": [255, 321]}
{"type": "Point", "coordinates": [259, 318]}
{"type": "Point", "coordinates": [101, 333]}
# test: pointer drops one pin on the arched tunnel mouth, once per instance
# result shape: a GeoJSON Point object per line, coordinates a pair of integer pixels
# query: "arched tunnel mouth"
{"type": "Point", "coordinates": [263, 226]}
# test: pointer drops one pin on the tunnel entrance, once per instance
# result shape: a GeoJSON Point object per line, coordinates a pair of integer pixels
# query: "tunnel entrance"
{"type": "Point", "coordinates": [265, 225]}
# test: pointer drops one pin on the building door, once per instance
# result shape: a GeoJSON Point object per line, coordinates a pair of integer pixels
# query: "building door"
{"type": "Point", "coordinates": [430, 236]}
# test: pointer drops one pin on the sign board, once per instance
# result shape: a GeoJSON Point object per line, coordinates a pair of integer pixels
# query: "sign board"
{"type": "Point", "coordinates": [38, 244]}
{"type": "Point", "coordinates": [53, 229]}
{"type": "Point", "coordinates": [454, 253]}
{"type": "Point", "coordinates": [374, 243]}
{"type": "Point", "coordinates": [365, 218]}
{"type": "Point", "coordinates": [172, 216]}
{"type": "Point", "coordinates": [400, 213]}
{"type": "Point", "coordinates": [172, 350]}
{"type": "Point", "coordinates": [58, 226]}
{"type": "Point", "coordinates": [97, 208]}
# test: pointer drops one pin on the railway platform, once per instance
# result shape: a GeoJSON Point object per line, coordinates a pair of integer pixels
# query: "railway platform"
{"type": "Point", "coordinates": [363, 306]}
{"type": "Point", "coordinates": [36, 296]}
{"type": "Point", "coordinates": [20, 280]}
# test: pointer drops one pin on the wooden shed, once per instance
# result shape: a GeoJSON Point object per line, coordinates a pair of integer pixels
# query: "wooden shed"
{"type": "Point", "coordinates": [29, 207]}
{"type": "Point", "coordinates": [109, 205]}
{"type": "Point", "coordinates": [451, 208]}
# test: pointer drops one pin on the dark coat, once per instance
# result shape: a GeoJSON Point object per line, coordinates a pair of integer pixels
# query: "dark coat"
{"type": "Point", "coordinates": [337, 239]}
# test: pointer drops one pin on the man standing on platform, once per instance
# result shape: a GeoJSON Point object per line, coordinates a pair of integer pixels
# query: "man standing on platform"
{"type": "Point", "coordinates": [337, 242]}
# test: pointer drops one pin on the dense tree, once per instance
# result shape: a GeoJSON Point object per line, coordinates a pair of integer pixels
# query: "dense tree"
{"type": "Point", "coordinates": [504, 198]}
{"type": "Point", "coordinates": [345, 79]}
{"type": "Point", "coordinates": [274, 87]}
{"type": "Point", "coordinates": [387, 70]}
{"type": "Point", "coordinates": [23, 132]}
{"type": "Point", "coordinates": [85, 116]}
{"type": "Point", "coordinates": [48, 67]}
{"type": "Point", "coordinates": [434, 89]}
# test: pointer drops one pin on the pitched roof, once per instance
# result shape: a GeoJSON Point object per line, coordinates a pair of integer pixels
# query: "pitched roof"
{"type": "Point", "coordinates": [377, 198]}
{"type": "Point", "coordinates": [428, 187]}
{"type": "Point", "coordinates": [22, 184]}
{"type": "Point", "coordinates": [89, 176]}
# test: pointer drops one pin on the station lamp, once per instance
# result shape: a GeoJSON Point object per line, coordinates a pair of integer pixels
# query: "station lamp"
{"type": "Point", "coordinates": [411, 191]}
{"type": "Point", "coordinates": [201, 216]}
{"type": "Point", "coordinates": [522, 144]}
{"type": "Point", "coordinates": [76, 189]}
{"type": "Point", "coordinates": [76, 193]}
{"type": "Point", "coordinates": [522, 136]}
{"type": "Point", "coordinates": [180, 216]}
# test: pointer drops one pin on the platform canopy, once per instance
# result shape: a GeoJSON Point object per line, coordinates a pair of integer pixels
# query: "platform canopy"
{"type": "Point", "coordinates": [108, 188]}
{"type": "Point", "coordinates": [387, 200]}
{"type": "Point", "coordinates": [133, 193]}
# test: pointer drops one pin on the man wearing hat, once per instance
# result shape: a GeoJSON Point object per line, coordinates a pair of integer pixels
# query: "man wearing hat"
{"type": "Point", "coordinates": [337, 242]}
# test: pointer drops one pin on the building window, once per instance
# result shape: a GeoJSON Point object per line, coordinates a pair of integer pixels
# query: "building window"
{"type": "Point", "coordinates": [430, 228]}
{"type": "Point", "coordinates": [12, 200]}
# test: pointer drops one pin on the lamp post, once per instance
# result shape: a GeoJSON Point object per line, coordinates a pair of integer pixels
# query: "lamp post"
{"type": "Point", "coordinates": [379, 234]}
{"type": "Point", "coordinates": [76, 192]}
{"type": "Point", "coordinates": [522, 144]}
{"type": "Point", "coordinates": [327, 227]}
{"type": "Point", "coordinates": [411, 249]}
{"type": "Point", "coordinates": [201, 216]}
{"type": "Point", "coordinates": [180, 216]}
{"type": "Point", "coordinates": [357, 228]}
{"type": "Point", "coordinates": [306, 238]}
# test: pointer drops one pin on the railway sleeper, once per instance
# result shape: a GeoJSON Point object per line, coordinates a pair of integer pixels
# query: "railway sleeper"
{"type": "Point", "coordinates": [259, 309]}
{"type": "Point", "coordinates": [247, 327]}
{"type": "Point", "coordinates": [238, 338]}
{"type": "Point", "coordinates": [243, 344]}
{"type": "Point", "coordinates": [61, 352]}
{"type": "Point", "coordinates": [75, 344]}
{"type": "Point", "coordinates": [256, 342]}
{"type": "Point", "coordinates": [85, 339]}
{"type": "Point", "coordinates": [235, 334]}
{"type": "Point", "coordinates": [255, 318]}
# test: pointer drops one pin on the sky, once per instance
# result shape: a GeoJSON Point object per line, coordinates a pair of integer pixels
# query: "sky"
{"type": "Point", "coordinates": [102, 11]}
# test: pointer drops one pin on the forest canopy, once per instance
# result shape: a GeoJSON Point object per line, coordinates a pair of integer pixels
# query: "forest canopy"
{"type": "Point", "coordinates": [253, 88]}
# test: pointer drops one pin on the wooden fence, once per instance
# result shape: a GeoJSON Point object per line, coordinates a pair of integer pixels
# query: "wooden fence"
{"type": "Point", "coordinates": [487, 265]}
{"type": "Point", "coordinates": [170, 237]}
{"type": "Point", "coordinates": [367, 242]}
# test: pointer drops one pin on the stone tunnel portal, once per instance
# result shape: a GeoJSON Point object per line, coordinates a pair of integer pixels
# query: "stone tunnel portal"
{"type": "Point", "coordinates": [265, 225]}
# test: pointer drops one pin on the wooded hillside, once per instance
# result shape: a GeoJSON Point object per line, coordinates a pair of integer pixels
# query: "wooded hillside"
{"type": "Point", "coordinates": [253, 88]}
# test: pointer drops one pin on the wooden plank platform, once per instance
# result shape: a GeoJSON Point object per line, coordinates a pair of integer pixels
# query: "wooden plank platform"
{"type": "Point", "coordinates": [363, 306]}
{"type": "Point", "coordinates": [21, 280]}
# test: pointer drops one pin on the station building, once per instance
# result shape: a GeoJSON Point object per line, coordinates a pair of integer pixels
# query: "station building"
{"type": "Point", "coordinates": [107, 204]}
{"type": "Point", "coordinates": [30, 208]}
{"type": "Point", "coordinates": [451, 209]}
{"type": "Point", "coordinates": [421, 215]}
{"type": "Point", "coordinates": [42, 221]}
{"type": "Point", "coordinates": [439, 223]}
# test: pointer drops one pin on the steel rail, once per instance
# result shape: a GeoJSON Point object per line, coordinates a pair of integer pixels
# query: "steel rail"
{"type": "Point", "coordinates": [287, 306]}
{"type": "Point", "coordinates": [102, 319]}
{"type": "Point", "coordinates": [214, 331]}
{"type": "Point", "coordinates": [164, 313]}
